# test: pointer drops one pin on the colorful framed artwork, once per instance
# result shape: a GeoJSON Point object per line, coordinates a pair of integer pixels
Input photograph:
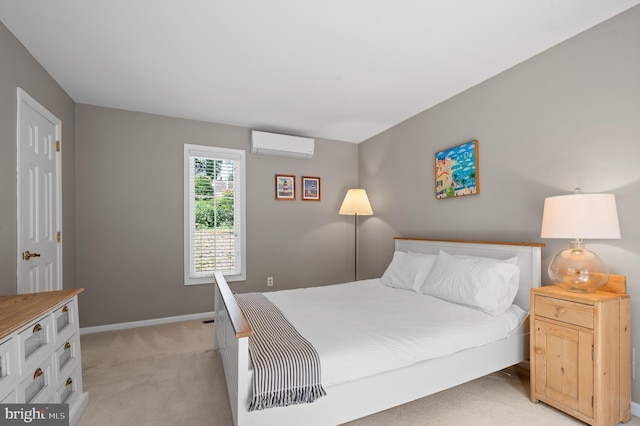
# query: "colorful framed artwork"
{"type": "Point", "coordinates": [285, 187]}
{"type": "Point", "coordinates": [457, 171]}
{"type": "Point", "coordinates": [310, 188]}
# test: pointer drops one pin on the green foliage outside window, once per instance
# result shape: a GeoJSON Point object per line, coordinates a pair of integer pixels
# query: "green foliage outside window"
{"type": "Point", "coordinates": [212, 212]}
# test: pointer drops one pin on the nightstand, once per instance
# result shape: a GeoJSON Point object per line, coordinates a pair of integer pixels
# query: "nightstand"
{"type": "Point", "coordinates": [580, 352]}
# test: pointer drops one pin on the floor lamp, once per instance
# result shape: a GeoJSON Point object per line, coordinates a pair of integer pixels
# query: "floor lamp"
{"type": "Point", "coordinates": [356, 203]}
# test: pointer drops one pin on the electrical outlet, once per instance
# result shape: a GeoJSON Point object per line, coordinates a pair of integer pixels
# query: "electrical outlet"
{"type": "Point", "coordinates": [270, 281]}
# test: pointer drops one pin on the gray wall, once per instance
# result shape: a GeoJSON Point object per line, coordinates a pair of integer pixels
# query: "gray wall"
{"type": "Point", "coordinates": [19, 69]}
{"type": "Point", "coordinates": [129, 190]}
{"type": "Point", "coordinates": [569, 117]}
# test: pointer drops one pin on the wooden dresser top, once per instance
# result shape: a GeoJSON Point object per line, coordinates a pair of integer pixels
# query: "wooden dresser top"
{"type": "Point", "coordinates": [18, 310]}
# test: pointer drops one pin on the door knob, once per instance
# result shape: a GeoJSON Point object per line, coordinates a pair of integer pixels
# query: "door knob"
{"type": "Point", "coordinates": [28, 255]}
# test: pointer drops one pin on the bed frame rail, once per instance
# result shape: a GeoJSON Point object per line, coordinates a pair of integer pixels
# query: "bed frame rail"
{"type": "Point", "coordinates": [231, 340]}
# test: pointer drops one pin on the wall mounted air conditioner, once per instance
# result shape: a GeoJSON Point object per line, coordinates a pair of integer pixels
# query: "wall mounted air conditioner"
{"type": "Point", "coordinates": [264, 143]}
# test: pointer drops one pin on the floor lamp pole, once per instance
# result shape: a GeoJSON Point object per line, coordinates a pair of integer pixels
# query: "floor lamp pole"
{"type": "Point", "coordinates": [355, 203]}
{"type": "Point", "coordinates": [355, 255]}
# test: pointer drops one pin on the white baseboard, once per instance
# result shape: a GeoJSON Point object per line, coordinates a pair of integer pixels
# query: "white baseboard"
{"type": "Point", "coordinates": [144, 323]}
{"type": "Point", "coordinates": [635, 409]}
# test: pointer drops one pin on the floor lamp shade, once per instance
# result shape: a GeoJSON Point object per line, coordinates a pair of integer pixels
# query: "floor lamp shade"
{"type": "Point", "coordinates": [356, 203]}
{"type": "Point", "coordinates": [579, 216]}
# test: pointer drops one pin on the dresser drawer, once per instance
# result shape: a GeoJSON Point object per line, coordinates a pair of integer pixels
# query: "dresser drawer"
{"type": "Point", "coordinates": [35, 342]}
{"type": "Point", "coordinates": [12, 398]}
{"type": "Point", "coordinates": [66, 358]}
{"type": "Point", "coordinates": [37, 385]}
{"type": "Point", "coordinates": [69, 387]}
{"type": "Point", "coordinates": [8, 364]}
{"type": "Point", "coordinates": [65, 320]}
{"type": "Point", "coordinates": [563, 310]}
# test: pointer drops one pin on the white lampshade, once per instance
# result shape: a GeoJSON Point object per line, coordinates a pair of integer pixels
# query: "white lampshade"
{"type": "Point", "coordinates": [356, 202]}
{"type": "Point", "coordinates": [583, 216]}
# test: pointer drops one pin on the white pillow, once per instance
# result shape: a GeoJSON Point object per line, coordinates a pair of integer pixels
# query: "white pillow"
{"type": "Point", "coordinates": [489, 285]}
{"type": "Point", "coordinates": [408, 271]}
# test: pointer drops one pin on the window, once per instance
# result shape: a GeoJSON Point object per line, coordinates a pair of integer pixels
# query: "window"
{"type": "Point", "coordinates": [214, 219]}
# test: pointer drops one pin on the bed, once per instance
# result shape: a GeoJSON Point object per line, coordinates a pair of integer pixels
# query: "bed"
{"type": "Point", "coordinates": [371, 391]}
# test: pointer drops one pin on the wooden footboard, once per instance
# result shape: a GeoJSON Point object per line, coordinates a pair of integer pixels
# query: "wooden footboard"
{"type": "Point", "coordinates": [232, 331]}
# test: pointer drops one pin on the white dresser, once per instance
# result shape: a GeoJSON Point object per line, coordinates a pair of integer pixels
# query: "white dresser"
{"type": "Point", "coordinates": [40, 359]}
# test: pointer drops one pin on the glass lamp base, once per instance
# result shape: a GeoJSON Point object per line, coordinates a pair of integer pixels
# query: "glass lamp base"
{"type": "Point", "coordinates": [579, 270]}
{"type": "Point", "coordinates": [579, 288]}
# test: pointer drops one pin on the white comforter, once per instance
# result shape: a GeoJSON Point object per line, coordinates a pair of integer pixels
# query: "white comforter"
{"type": "Point", "coordinates": [364, 328]}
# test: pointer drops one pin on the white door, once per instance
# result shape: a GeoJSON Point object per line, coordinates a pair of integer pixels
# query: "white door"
{"type": "Point", "coordinates": [39, 198]}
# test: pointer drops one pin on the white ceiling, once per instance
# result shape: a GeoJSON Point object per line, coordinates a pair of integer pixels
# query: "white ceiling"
{"type": "Point", "coordinates": [337, 69]}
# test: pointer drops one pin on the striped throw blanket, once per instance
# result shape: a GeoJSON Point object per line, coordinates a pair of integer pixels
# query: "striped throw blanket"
{"type": "Point", "coordinates": [286, 367]}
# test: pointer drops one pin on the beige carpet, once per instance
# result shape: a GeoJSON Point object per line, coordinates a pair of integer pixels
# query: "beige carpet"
{"type": "Point", "coordinates": [169, 375]}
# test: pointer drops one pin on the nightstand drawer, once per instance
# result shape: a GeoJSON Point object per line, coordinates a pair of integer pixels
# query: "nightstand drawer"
{"type": "Point", "coordinates": [563, 310]}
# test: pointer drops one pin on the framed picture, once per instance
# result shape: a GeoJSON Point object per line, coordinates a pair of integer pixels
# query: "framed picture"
{"type": "Point", "coordinates": [457, 171]}
{"type": "Point", "coordinates": [285, 187]}
{"type": "Point", "coordinates": [310, 188]}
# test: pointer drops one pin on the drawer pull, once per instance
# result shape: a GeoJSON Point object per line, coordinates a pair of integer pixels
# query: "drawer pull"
{"type": "Point", "coordinates": [37, 328]}
{"type": "Point", "coordinates": [65, 309]}
{"type": "Point", "coordinates": [69, 381]}
{"type": "Point", "coordinates": [38, 373]}
{"type": "Point", "coordinates": [67, 346]}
